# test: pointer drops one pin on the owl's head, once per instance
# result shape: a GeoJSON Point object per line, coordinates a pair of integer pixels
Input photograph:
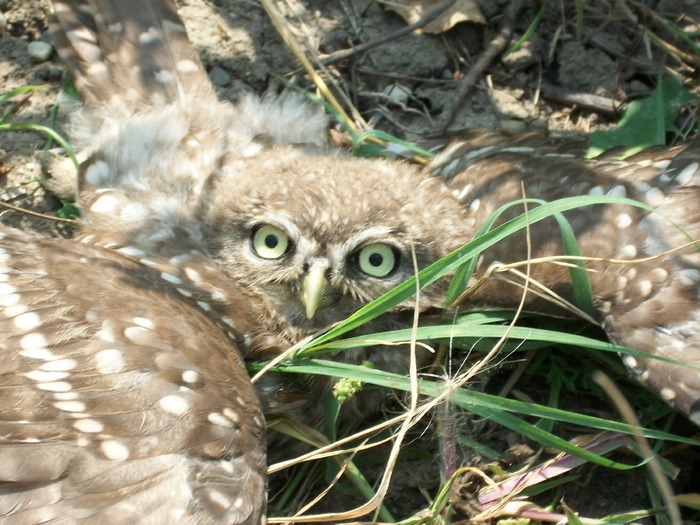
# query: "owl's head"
{"type": "Point", "coordinates": [321, 235]}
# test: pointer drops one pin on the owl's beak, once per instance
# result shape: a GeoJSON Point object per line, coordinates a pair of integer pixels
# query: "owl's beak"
{"type": "Point", "coordinates": [313, 288]}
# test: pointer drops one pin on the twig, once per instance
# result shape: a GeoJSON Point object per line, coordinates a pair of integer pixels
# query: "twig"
{"type": "Point", "coordinates": [604, 105]}
{"type": "Point", "coordinates": [409, 78]}
{"type": "Point", "coordinates": [362, 48]}
{"type": "Point", "coordinates": [37, 214]}
{"type": "Point", "coordinates": [282, 28]}
{"type": "Point", "coordinates": [494, 48]}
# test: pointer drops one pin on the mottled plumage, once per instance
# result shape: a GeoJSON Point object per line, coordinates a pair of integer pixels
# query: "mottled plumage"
{"type": "Point", "coordinates": [650, 306]}
{"type": "Point", "coordinates": [213, 233]}
{"type": "Point", "coordinates": [125, 399]}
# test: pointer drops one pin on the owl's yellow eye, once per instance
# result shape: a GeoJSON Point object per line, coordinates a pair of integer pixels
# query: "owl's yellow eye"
{"type": "Point", "coordinates": [270, 242]}
{"type": "Point", "coordinates": [377, 260]}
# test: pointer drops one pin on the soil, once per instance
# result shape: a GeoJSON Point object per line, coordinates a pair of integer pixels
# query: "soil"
{"type": "Point", "coordinates": [400, 87]}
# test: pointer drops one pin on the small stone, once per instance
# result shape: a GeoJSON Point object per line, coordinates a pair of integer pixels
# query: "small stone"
{"type": "Point", "coordinates": [39, 51]}
{"type": "Point", "coordinates": [219, 77]}
{"type": "Point", "coordinates": [398, 93]}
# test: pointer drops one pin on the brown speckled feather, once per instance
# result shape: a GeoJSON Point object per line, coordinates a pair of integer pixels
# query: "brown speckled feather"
{"type": "Point", "coordinates": [652, 306]}
{"type": "Point", "coordinates": [114, 406]}
{"type": "Point", "coordinates": [133, 51]}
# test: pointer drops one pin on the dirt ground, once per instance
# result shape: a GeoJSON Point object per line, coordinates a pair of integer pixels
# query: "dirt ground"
{"type": "Point", "coordinates": [401, 87]}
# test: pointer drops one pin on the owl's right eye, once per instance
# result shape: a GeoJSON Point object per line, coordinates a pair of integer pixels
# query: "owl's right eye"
{"type": "Point", "coordinates": [270, 242]}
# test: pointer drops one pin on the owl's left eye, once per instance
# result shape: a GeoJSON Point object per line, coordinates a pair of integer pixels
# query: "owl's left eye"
{"type": "Point", "coordinates": [377, 260]}
{"type": "Point", "coordinates": [270, 242]}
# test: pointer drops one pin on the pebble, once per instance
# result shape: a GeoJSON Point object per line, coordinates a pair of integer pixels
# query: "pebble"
{"type": "Point", "coordinates": [398, 93]}
{"type": "Point", "coordinates": [39, 51]}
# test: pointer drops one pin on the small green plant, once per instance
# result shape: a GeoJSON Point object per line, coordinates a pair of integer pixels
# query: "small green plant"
{"type": "Point", "coordinates": [645, 123]}
{"type": "Point", "coordinates": [23, 94]}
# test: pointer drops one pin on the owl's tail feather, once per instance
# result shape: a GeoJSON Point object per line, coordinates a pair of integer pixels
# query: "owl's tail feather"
{"type": "Point", "coordinates": [134, 51]}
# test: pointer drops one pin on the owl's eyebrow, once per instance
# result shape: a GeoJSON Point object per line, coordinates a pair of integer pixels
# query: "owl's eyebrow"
{"type": "Point", "coordinates": [280, 221]}
{"type": "Point", "coordinates": [373, 234]}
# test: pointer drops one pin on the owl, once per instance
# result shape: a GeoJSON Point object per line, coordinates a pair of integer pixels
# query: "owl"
{"type": "Point", "coordinates": [213, 233]}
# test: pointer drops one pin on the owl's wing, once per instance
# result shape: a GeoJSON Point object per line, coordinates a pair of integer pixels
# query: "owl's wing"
{"type": "Point", "coordinates": [658, 309]}
{"type": "Point", "coordinates": [651, 306]}
{"type": "Point", "coordinates": [121, 400]}
{"type": "Point", "coordinates": [134, 50]}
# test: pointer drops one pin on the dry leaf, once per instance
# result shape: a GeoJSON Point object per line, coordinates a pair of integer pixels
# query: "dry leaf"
{"type": "Point", "coordinates": [413, 10]}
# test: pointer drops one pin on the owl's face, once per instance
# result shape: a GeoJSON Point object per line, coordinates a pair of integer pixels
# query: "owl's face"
{"type": "Point", "coordinates": [322, 235]}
